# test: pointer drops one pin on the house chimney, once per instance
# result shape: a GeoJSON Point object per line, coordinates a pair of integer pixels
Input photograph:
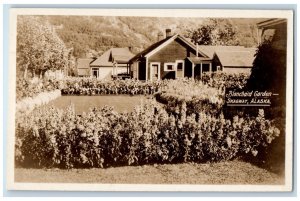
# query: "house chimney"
{"type": "Point", "coordinates": [197, 50]}
{"type": "Point", "coordinates": [168, 33]}
{"type": "Point", "coordinates": [160, 36]}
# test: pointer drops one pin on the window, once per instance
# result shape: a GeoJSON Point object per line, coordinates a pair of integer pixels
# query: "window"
{"type": "Point", "coordinates": [95, 72]}
{"type": "Point", "coordinates": [169, 66]}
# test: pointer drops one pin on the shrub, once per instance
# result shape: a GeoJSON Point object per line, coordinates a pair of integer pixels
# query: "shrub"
{"type": "Point", "coordinates": [50, 137]}
{"type": "Point", "coordinates": [222, 80]}
{"type": "Point", "coordinates": [197, 96]}
{"type": "Point", "coordinates": [93, 86]}
{"type": "Point", "coordinates": [26, 88]}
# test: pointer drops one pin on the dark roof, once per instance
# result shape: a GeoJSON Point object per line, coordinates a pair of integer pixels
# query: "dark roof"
{"type": "Point", "coordinates": [120, 55]}
{"type": "Point", "coordinates": [236, 58]}
{"type": "Point", "coordinates": [149, 49]}
{"type": "Point", "coordinates": [161, 42]}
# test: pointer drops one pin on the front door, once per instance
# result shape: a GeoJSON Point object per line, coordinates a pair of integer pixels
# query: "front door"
{"type": "Point", "coordinates": [155, 71]}
{"type": "Point", "coordinates": [142, 70]}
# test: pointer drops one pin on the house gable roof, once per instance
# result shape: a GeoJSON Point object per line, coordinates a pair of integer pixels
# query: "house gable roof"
{"type": "Point", "coordinates": [161, 44]}
{"type": "Point", "coordinates": [120, 55]}
{"type": "Point", "coordinates": [236, 58]}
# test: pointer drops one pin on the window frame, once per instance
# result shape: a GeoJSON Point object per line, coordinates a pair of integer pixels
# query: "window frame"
{"type": "Point", "coordinates": [170, 63]}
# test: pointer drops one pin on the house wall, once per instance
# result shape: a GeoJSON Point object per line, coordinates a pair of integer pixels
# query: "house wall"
{"type": "Point", "coordinates": [279, 40]}
{"type": "Point", "coordinates": [233, 70]}
{"type": "Point", "coordinates": [133, 68]}
{"type": "Point", "coordinates": [106, 72]}
{"type": "Point", "coordinates": [176, 50]}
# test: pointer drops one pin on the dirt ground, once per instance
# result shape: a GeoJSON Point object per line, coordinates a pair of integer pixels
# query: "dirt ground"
{"type": "Point", "coordinates": [231, 172]}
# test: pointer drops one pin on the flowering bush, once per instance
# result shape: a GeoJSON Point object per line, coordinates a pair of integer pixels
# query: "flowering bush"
{"type": "Point", "coordinates": [222, 80]}
{"type": "Point", "coordinates": [50, 137]}
{"type": "Point", "coordinates": [196, 95]}
{"type": "Point", "coordinates": [26, 88]}
{"type": "Point", "coordinates": [27, 104]}
{"type": "Point", "coordinates": [93, 86]}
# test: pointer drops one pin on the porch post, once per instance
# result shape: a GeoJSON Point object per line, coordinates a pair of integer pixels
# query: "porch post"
{"type": "Point", "coordinates": [210, 68]}
{"type": "Point", "coordinates": [137, 64]}
{"type": "Point", "coordinates": [193, 69]}
{"type": "Point", "coordinates": [116, 69]}
{"type": "Point", "coordinates": [113, 70]}
{"type": "Point", "coordinates": [146, 68]}
{"type": "Point", "coordinates": [201, 70]}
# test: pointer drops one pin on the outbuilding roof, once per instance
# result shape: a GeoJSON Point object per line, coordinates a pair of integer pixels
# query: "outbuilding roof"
{"type": "Point", "coordinates": [236, 58]}
{"type": "Point", "coordinates": [210, 50]}
{"type": "Point", "coordinates": [84, 63]}
{"type": "Point", "coordinates": [120, 55]}
{"type": "Point", "coordinates": [83, 66]}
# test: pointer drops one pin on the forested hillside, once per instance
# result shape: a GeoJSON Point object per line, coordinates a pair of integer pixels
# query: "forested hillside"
{"type": "Point", "coordinates": [91, 35]}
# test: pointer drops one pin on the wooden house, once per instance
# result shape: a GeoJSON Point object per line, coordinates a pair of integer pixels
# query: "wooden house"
{"type": "Point", "coordinates": [170, 58]}
{"type": "Point", "coordinates": [175, 57]}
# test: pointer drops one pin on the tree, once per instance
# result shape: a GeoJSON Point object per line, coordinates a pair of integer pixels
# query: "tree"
{"type": "Point", "coordinates": [214, 32]}
{"type": "Point", "coordinates": [268, 71]}
{"type": "Point", "coordinates": [38, 46]}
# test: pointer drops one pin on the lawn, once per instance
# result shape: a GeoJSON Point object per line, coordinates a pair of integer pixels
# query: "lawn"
{"type": "Point", "coordinates": [231, 172]}
{"type": "Point", "coordinates": [120, 103]}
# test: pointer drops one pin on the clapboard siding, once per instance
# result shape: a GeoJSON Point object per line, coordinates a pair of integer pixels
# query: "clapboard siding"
{"type": "Point", "coordinates": [176, 50]}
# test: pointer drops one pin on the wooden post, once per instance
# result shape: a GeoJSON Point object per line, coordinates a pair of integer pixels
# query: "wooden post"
{"type": "Point", "coordinates": [147, 69]}
{"type": "Point", "coordinates": [137, 64]}
{"type": "Point", "coordinates": [201, 70]}
{"type": "Point", "coordinates": [116, 69]}
{"type": "Point", "coordinates": [193, 69]}
{"type": "Point", "coordinates": [210, 68]}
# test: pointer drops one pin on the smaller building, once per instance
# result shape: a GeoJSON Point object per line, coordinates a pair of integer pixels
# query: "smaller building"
{"type": "Point", "coordinates": [232, 62]}
{"type": "Point", "coordinates": [111, 63]}
{"type": "Point", "coordinates": [83, 67]}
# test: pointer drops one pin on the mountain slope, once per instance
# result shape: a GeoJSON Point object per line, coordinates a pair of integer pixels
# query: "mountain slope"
{"type": "Point", "coordinates": [91, 35]}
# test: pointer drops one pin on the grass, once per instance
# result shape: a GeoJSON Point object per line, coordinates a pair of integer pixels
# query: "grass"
{"type": "Point", "coordinates": [120, 103]}
{"type": "Point", "coordinates": [231, 172]}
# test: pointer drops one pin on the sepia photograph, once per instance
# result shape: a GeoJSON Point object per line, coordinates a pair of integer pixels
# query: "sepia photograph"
{"type": "Point", "coordinates": [150, 99]}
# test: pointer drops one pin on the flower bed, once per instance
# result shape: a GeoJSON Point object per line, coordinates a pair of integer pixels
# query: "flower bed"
{"type": "Point", "coordinates": [197, 96]}
{"type": "Point", "coordinates": [26, 88]}
{"type": "Point", "coordinates": [222, 80]}
{"type": "Point", "coordinates": [93, 86]}
{"type": "Point", "coordinates": [50, 137]}
{"type": "Point", "coordinates": [26, 105]}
